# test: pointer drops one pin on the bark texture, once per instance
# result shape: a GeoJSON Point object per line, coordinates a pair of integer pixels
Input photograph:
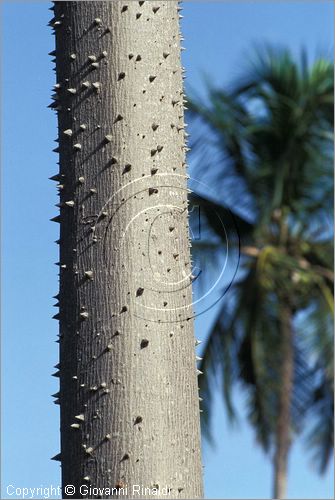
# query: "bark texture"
{"type": "Point", "coordinates": [284, 407]}
{"type": "Point", "coordinates": [128, 384]}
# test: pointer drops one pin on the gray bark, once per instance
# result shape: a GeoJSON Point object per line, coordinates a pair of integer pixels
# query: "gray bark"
{"type": "Point", "coordinates": [128, 384]}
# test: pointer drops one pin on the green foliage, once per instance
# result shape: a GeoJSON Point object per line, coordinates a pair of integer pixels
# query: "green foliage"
{"type": "Point", "coordinates": [269, 147]}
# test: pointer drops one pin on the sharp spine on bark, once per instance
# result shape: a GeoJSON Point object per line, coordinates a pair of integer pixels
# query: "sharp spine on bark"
{"type": "Point", "coordinates": [97, 21]}
{"type": "Point", "coordinates": [72, 91]}
{"type": "Point", "coordinates": [77, 147]}
{"type": "Point", "coordinates": [57, 177]}
{"type": "Point", "coordinates": [70, 203]}
{"type": "Point", "coordinates": [81, 180]}
{"type": "Point", "coordinates": [73, 57]}
{"type": "Point", "coordinates": [56, 219]}
{"type": "Point", "coordinates": [92, 58]}
{"type": "Point", "coordinates": [56, 374]}
{"type": "Point", "coordinates": [86, 84]}
{"type": "Point", "coordinates": [144, 343]}
{"type": "Point", "coordinates": [152, 78]}
{"type": "Point", "coordinates": [80, 417]}
{"type": "Point", "coordinates": [96, 85]}
{"type": "Point", "coordinates": [95, 65]}
{"type": "Point", "coordinates": [83, 126]}
{"type": "Point", "coordinates": [108, 138]}
{"type": "Point", "coordinates": [68, 132]}
{"type": "Point", "coordinates": [75, 426]}
{"type": "Point", "coordinates": [89, 274]}
{"type": "Point", "coordinates": [127, 168]}
{"type": "Point", "coordinates": [84, 315]}
{"type": "Point", "coordinates": [155, 9]}
{"type": "Point", "coordinates": [124, 8]}
{"type": "Point", "coordinates": [55, 23]}
{"type": "Point", "coordinates": [199, 372]}
{"type": "Point", "coordinates": [57, 457]}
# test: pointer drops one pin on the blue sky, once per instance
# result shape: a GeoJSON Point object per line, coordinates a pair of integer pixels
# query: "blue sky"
{"type": "Point", "coordinates": [218, 37]}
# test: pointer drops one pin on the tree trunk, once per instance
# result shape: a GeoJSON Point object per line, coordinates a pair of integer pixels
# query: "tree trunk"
{"type": "Point", "coordinates": [128, 385]}
{"type": "Point", "coordinates": [284, 406]}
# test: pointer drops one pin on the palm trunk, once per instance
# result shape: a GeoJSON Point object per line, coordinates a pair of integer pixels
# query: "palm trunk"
{"type": "Point", "coordinates": [284, 407]}
{"type": "Point", "coordinates": [128, 388]}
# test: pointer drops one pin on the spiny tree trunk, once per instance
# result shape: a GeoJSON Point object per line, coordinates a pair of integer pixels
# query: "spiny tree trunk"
{"type": "Point", "coordinates": [284, 407]}
{"type": "Point", "coordinates": [128, 386]}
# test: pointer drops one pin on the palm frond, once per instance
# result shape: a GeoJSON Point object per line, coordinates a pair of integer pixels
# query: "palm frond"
{"type": "Point", "coordinates": [223, 221]}
{"type": "Point", "coordinates": [320, 440]}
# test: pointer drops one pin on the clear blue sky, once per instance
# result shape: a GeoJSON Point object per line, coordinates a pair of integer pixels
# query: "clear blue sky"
{"type": "Point", "coordinates": [217, 38]}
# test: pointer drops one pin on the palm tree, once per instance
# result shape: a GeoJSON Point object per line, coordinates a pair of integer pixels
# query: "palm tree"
{"type": "Point", "coordinates": [269, 142]}
{"type": "Point", "coordinates": [129, 403]}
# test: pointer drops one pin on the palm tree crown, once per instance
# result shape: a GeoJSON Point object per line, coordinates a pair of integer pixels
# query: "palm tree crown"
{"type": "Point", "coordinates": [270, 144]}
